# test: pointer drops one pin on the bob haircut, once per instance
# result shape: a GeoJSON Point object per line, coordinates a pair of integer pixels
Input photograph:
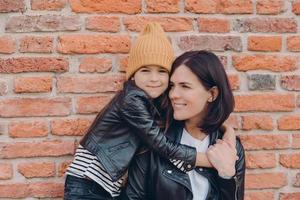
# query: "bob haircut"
{"type": "Point", "coordinates": [210, 72]}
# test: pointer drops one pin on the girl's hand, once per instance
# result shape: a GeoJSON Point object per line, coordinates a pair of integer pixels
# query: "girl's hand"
{"type": "Point", "coordinates": [229, 135]}
{"type": "Point", "coordinates": [222, 156]}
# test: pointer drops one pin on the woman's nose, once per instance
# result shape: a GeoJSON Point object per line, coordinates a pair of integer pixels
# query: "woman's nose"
{"type": "Point", "coordinates": [173, 93]}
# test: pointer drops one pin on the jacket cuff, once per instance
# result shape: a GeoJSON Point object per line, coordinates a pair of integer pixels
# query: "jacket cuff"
{"type": "Point", "coordinates": [191, 155]}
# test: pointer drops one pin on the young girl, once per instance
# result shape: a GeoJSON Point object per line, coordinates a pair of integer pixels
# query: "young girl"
{"type": "Point", "coordinates": [132, 119]}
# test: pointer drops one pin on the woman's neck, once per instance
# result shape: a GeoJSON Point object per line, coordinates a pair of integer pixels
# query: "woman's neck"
{"type": "Point", "coordinates": [194, 130]}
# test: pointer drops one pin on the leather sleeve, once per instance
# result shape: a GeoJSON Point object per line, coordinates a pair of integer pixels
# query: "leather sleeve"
{"type": "Point", "coordinates": [233, 189]}
{"type": "Point", "coordinates": [136, 188]}
{"type": "Point", "coordinates": [136, 110]}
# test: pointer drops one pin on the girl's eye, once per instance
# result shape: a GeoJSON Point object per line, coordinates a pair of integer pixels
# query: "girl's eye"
{"type": "Point", "coordinates": [163, 71]}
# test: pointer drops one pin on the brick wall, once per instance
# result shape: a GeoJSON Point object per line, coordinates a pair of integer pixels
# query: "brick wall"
{"type": "Point", "coordinates": [62, 60]}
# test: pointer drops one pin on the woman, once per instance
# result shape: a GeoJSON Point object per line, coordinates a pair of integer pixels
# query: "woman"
{"type": "Point", "coordinates": [202, 100]}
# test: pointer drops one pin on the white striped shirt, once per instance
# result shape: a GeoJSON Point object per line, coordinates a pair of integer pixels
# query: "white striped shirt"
{"type": "Point", "coordinates": [85, 164]}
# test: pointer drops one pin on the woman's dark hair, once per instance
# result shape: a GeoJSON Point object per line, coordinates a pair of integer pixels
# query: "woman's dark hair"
{"type": "Point", "coordinates": [210, 71]}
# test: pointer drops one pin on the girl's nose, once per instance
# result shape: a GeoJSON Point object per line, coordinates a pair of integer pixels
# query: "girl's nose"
{"type": "Point", "coordinates": [154, 76]}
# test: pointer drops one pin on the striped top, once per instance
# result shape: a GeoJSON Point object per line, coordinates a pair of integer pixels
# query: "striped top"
{"type": "Point", "coordinates": [85, 164]}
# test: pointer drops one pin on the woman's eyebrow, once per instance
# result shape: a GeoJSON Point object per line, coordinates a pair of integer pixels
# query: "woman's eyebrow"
{"type": "Point", "coordinates": [181, 83]}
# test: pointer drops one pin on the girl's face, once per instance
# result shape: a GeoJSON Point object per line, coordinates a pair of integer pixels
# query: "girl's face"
{"type": "Point", "coordinates": [152, 79]}
{"type": "Point", "coordinates": [188, 96]}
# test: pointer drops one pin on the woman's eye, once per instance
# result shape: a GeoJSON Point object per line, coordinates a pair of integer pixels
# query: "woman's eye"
{"type": "Point", "coordinates": [145, 70]}
{"type": "Point", "coordinates": [185, 86]}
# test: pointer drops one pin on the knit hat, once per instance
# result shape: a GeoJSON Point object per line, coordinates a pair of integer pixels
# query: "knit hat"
{"type": "Point", "coordinates": [152, 47]}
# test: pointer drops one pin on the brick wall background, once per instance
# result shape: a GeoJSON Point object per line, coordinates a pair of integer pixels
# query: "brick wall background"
{"type": "Point", "coordinates": [61, 61]}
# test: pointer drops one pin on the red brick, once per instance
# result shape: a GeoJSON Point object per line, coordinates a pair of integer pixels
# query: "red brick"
{"type": "Point", "coordinates": [36, 149]}
{"type": "Point", "coordinates": [106, 6]}
{"type": "Point", "coordinates": [289, 196]}
{"type": "Point", "coordinates": [90, 84]}
{"type": "Point", "coordinates": [296, 141]}
{"type": "Point", "coordinates": [162, 6]}
{"type": "Point", "coordinates": [263, 122]}
{"type": "Point", "coordinates": [43, 190]}
{"type": "Point", "coordinates": [289, 122]}
{"type": "Point", "coordinates": [12, 6]}
{"type": "Point", "coordinates": [264, 43]}
{"type": "Point", "coordinates": [32, 84]}
{"type": "Point", "coordinates": [201, 6]}
{"type": "Point", "coordinates": [14, 190]}
{"type": "Point", "coordinates": [265, 25]}
{"type": "Point", "coordinates": [94, 64]}
{"type": "Point", "coordinates": [259, 195]}
{"type": "Point", "coordinates": [38, 190]}
{"type": "Point", "coordinates": [24, 129]}
{"type": "Point", "coordinates": [26, 107]}
{"type": "Point", "coordinates": [296, 7]}
{"type": "Point", "coordinates": [7, 44]}
{"type": "Point", "coordinates": [62, 168]}
{"type": "Point", "coordinates": [93, 44]}
{"type": "Point", "coordinates": [219, 6]}
{"type": "Point", "coordinates": [36, 170]}
{"type": "Point", "coordinates": [265, 102]}
{"type": "Point", "coordinates": [290, 82]}
{"type": "Point", "coordinates": [48, 4]}
{"type": "Point", "coordinates": [235, 6]}
{"type": "Point", "coordinates": [169, 24]}
{"type": "Point", "coordinates": [38, 23]}
{"type": "Point", "coordinates": [213, 25]}
{"type": "Point", "coordinates": [6, 171]}
{"type": "Point", "coordinates": [210, 42]}
{"type": "Point", "coordinates": [291, 160]}
{"type": "Point", "coordinates": [234, 81]}
{"type": "Point", "coordinates": [3, 88]}
{"type": "Point", "coordinates": [102, 23]}
{"type": "Point", "coordinates": [293, 43]}
{"type": "Point", "coordinates": [73, 127]}
{"type": "Point", "coordinates": [36, 44]}
{"type": "Point", "coordinates": [260, 160]}
{"type": "Point", "coordinates": [87, 105]}
{"type": "Point", "coordinates": [122, 63]}
{"type": "Point", "coordinates": [269, 6]}
{"type": "Point", "coordinates": [34, 64]}
{"type": "Point", "coordinates": [255, 142]}
{"type": "Point", "coordinates": [297, 180]}
{"type": "Point", "coordinates": [273, 63]}
{"type": "Point", "coordinates": [262, 180]}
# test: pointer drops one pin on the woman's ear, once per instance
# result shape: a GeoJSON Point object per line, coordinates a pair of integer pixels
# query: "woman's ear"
{"type": "Point", "coordinates": [214, 92]}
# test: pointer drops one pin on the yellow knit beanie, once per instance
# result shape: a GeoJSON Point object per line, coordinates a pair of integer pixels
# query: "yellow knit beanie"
{"type": "Point", "coordinates": [152, 47]}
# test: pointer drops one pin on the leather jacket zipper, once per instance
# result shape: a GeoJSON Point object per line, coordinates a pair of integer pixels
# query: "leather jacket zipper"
{"type": "Point", "coordinates": [236, 187]}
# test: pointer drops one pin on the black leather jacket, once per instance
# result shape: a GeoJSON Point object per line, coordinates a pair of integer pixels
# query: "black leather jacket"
{"type": "Point", "coordinates": [123, 126]}
{"type": "Point", "coordinates": [154, 178]}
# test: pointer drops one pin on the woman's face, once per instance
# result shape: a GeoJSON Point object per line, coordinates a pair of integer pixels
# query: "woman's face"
{"type": "Point", "coordinates": [188, 95]}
